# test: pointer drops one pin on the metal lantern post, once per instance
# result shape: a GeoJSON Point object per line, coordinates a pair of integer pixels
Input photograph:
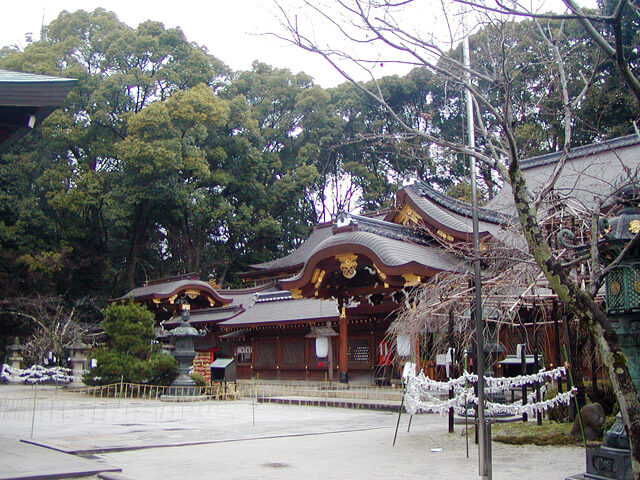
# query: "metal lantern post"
{"type": "Point", "coordinates": [184, 353]}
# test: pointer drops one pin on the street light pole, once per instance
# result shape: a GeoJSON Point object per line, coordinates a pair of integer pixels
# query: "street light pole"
{"type": "Point", "coordinates": [484, 455]}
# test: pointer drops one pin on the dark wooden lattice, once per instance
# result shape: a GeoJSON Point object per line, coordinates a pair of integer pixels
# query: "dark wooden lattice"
{"type": "Point", "coordinates": [358, 350]}
{"type": "Point", "coordinates": [266, 355]}
{"type": "Point", "coordinates": [293, 354]}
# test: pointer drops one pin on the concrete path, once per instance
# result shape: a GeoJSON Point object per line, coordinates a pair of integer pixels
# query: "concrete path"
{"type": "Point", "coordinates": [19, 460]}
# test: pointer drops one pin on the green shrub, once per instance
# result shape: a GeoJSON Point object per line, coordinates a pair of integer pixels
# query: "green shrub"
{"type": "Point", "coordinates": [131, 353]}
{"type": "Point", "coordinates": [199, 380]}
{"type": "Point", "coordinates": [519, 433]}
{"type": "Point", "coordinates": [163, 369]}
{"type": "Point", "coordinates": [113, 366]}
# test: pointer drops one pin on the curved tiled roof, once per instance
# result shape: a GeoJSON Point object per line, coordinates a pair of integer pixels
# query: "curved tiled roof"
{"type": "Point", "coordinates": [168, 289]}
{"type": "Point", "coordinates": [384, 228]}
{"type": "Point", "coordinates": [449, 214]}
{"type": "Point", "coordinates": [583, 151]}
{"type": "Point", "coordinates": [457, 206]}
{"type": "Point", "coordinates": [297, 258]}
{"type": "Point", "coordinates": [240, 296]}
{"type": "Point", "coordinates": [393, 257]}
{"type": "Point", "coordinates": [207, 315]}
{"type": "Point", "coordinates": [394, 253]}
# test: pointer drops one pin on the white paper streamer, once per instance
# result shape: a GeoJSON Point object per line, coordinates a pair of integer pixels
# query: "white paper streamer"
{"type": "Point", "coordinates": [36, 374]}
{"type": "Point", "coordinates": [420, 397]}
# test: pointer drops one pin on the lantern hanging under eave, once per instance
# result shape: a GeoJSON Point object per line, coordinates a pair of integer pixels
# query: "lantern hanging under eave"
{"type": "Point", "coordinates": [322, 347]}
{"type": "Point", "coordinates": [403, 345]}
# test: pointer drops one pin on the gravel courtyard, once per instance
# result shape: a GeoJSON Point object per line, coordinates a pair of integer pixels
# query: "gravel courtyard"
{"type": "Point", "coordinates": [149, 439]}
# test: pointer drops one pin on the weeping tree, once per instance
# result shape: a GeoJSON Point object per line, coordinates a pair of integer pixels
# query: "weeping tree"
{"type": "Point", "coordinates": [51, 325]}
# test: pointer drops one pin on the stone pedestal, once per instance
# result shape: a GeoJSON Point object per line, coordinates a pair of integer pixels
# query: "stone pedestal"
{"type": "Point", "coordinates": [604, 463]}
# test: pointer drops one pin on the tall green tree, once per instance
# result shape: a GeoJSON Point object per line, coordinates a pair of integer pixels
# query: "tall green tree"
{"type": "Point", "coordinates": [65, 173]}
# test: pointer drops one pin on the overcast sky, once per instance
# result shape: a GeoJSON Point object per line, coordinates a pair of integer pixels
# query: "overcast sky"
{"type": "Point", "coordinates": [230, 29]}
{"type": "Point", "coordinates": [235, 30]}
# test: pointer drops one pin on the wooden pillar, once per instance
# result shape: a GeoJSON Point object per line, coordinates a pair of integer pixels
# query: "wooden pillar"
{"type": "Point", "coordinates": [344, 342]}
{"type": "Point", "coordinates": [536, 360]}
{"type": "Point", "coordinates": [278, 356]}
{"type": "Point", "coordinates": [451, 345]}
{"type": "Point", "coordinates": [555, 313]}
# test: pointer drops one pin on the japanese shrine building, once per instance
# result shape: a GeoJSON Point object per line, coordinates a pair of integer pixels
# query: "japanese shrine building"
{"type": "Point", "coordinates": [349, 277]}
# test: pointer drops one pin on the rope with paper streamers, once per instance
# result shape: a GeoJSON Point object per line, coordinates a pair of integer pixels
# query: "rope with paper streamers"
{"type": "Point", "coordinates": [35, 374]}
{"type": "Point", "coordinates": [419, 396]}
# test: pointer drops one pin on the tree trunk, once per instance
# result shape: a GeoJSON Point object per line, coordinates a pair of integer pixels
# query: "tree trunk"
{"type": "Point", "coordinates": [139, 230]}
{"type": "Point", "coordinates": [584, 308]}
{"type": "Point", "coordinates": [574, 344]}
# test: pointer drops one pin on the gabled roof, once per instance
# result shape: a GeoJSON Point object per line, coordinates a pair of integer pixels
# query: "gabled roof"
{"type": "Point", "coordinates": [26, 100]}
{"type": "Point", "coordinates": [444, 215]}
{"type": "Point", "coordinates": [294, 260]}
{"type": "Point", "coordinates": [393, 254]}
{"type": "Point", "coordinates": [382, 227]}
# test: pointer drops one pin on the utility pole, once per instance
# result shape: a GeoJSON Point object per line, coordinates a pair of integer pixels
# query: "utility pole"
{"type": "Point", "coordinates": [484, 450]}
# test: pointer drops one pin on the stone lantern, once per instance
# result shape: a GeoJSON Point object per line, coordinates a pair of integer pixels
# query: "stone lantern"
{"type": "Point", "coordinates": [613, 459]}
{"type": "Point", "coordinates": [78, 359]}
{"type": "Point", "coordinates": [15, 354]}
{"type": "Point", "coordinates": [184, 353]}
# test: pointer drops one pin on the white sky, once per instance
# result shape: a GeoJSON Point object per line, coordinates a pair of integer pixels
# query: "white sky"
{"type": "Point", "coordinates": [230, 29]}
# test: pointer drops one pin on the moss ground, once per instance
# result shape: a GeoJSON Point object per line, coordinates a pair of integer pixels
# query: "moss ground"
{"type": "Point", "coordinates": [520, 433]}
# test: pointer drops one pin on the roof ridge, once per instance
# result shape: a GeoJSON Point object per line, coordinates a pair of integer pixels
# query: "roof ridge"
{"type": "Point", "coordinates": [12, 76]}
{"type": "Point", "coordinates": [388, 229]}
{"type": "Point", "coordinates": [581, 151]}
{"type": "Point", "coordinates": [458, 206]}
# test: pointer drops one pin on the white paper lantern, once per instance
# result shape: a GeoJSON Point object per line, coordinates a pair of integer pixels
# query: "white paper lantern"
{"type": "Point", "coordinates": [403, 345]}
{"type": "Point", "coordinates": [322, 347]}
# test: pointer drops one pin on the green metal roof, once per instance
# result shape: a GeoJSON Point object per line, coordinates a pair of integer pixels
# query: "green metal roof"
{"type": "Point", "coordinates": [26, 99]}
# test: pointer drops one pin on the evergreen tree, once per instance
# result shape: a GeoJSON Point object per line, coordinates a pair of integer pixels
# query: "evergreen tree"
{"type": "Point", "coordinates": [131, 353]}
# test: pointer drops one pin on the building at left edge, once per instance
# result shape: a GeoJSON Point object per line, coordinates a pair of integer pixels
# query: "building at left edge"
{"type": "Point", "coordinates": [26, 100]}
